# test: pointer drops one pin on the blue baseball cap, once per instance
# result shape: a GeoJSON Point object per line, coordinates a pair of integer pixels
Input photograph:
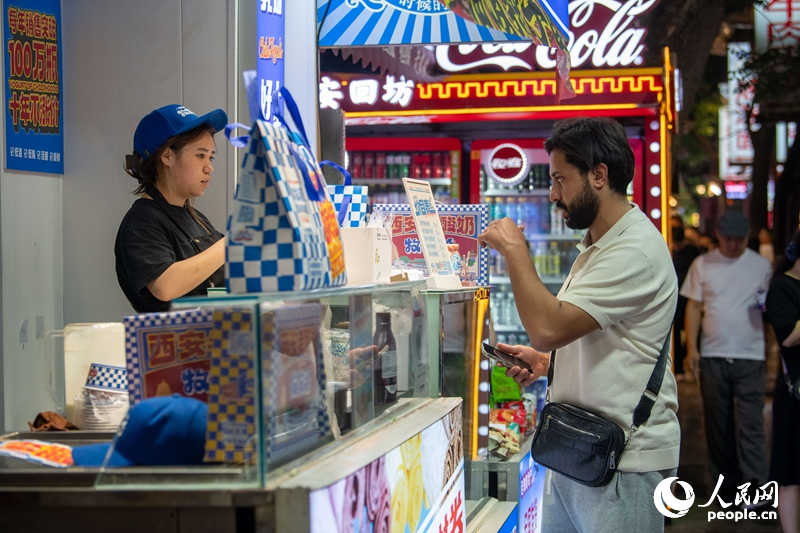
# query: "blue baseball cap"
{"type": "Point", "coordinates": [165, 122]}
{"type": "Point", "coordinates": [165, 430]}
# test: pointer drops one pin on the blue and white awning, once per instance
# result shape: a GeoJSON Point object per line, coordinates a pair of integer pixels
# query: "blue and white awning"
{"type": "Point", "coordinates": [346, 23]}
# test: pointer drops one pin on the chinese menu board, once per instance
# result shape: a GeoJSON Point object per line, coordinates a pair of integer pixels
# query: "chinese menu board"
{"type": "Point", "coordinates": [429, 227]}
{"type": "Point", "coordinates": [461, 225]}
{"type": "Point", "coordinates": [33, 90]}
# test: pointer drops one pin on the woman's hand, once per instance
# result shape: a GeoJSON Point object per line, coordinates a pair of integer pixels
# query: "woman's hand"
{"type": "Point", "coordinates": [539, 362]}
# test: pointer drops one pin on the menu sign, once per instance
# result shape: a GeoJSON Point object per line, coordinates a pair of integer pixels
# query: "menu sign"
{"type": "Point", "coordinates": [34, 128]}
{"type": "Point", "coordinates": [429, 227]}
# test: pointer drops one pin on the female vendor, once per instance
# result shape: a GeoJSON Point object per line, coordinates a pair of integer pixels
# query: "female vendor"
{"type": "Point", "coordinates": [165, 248]}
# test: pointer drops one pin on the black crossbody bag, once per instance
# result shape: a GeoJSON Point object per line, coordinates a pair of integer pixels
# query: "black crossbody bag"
{"type": "Point", "coordinates": [583, 445]}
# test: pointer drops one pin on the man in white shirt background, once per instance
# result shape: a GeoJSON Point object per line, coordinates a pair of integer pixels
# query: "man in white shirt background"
{"type": "Point", "coordinates": [726, 291]}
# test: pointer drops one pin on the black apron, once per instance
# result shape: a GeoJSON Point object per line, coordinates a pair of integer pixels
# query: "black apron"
{"type": "Point", "coordinates": [200, 242]}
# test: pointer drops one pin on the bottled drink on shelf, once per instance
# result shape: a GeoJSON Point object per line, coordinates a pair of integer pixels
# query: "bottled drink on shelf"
{"type": "Point", "coordinates": [405, 165]}
{"type": "Point", "coordinates": [540, 260]}
{"type": "Point", "coordinates": [499, 307]}
{"type": "Point", "coordinates": [416, 166]}
{"type": "Point", "coordinates": [358, 165]}
{"type": "Point", "coordinates": [369, 165]}
{"type": "Point", "coordinates": [554, 256]}
{"type": "Point", "coordinates": [385, 370]}
{"type": "Point", "coordinates": [391, 169]}
{"type": "Point", "coordinates": [544, 215]}
{"type": "Point", "coordinates": [522, 186]}
{"type": "Point", "coordinates": [380, 165]}
{"type": "Point", "coordinates": [556, 220]}
{"type": "Point", "coordinates": [499, 208]}
{"type": "Point", "coordinates": [531, 217]}
{"type": "Point", "coordinates": [438, 167]}
{"type": "Point", "coordinates": [512, 209]}
{"type": "Point", "coordinates": [512, 339]}
{"type": "Point", "coordinates": [446, 165]}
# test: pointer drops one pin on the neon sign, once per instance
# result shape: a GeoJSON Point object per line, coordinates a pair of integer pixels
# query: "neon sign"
{"type": "Point", "coordinates": [604, 33]}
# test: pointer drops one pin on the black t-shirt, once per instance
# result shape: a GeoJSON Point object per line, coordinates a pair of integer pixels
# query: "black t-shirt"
{"type": "Point", "coordinates": [783, 308]}
{"type": "Point", "coordinates": [149, 241]}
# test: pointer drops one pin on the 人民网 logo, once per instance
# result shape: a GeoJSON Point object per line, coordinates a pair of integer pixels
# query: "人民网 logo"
{"type": "Point", "coordinates": [666, 502]}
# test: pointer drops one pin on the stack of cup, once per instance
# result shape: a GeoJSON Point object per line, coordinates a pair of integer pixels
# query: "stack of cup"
{"type": "Point", "coordinates": [103, 402]}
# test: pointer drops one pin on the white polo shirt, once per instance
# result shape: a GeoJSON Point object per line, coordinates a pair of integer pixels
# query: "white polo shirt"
{"type": "Point", "coordinates": [627, 283]}
{"type": "Point", "coordinates": [727, 287]}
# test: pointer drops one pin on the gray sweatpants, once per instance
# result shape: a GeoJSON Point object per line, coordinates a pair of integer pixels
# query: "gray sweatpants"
{"type": "Point", "coordinates": [623, 506]}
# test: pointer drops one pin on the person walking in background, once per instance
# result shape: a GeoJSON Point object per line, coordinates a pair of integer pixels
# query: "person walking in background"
{"type": "Point", "coordinates": [783, 310]}
{"type": "Point", "coordinates": [683, 253]}
{"type": "Point", "coordinates": [725, 289]}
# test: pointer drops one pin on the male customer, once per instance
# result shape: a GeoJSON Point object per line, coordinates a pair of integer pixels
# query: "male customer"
{"type": "Point", "coordinates": [608, 323]}
{"type": "Point", "coordinates": [723, 288]}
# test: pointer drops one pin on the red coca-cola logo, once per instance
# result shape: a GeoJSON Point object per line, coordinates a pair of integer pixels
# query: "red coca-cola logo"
{"type": "Point", "coordinates": [508, 164]}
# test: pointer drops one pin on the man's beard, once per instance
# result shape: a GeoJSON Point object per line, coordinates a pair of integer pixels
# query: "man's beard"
{"type": "Point", "coordinates": [584, 208]}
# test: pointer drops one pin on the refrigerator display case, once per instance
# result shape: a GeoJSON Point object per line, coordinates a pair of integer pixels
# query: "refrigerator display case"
{"type": "Point", "coordinates": [383, 162]}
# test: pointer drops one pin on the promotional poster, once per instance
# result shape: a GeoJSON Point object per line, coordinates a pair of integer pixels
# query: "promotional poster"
{"type": "Point", "coordinates": [461, 225]}
{"type": "Point", "coordinates": [33, 88]}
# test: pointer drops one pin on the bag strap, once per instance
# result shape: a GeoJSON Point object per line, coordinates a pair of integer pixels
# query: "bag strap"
{"type": "Point", "coordinates": [642, 411]}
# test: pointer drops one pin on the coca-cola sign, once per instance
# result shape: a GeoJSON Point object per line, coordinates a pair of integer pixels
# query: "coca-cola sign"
{"type": "Point", "coordinates": [603, 33]}
{"type": "Point", "coordinates": [508, 164]}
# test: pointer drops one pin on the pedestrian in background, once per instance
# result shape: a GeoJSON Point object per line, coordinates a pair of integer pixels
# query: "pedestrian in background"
{"type": "Point", "coordinates": [726, 290]}
{"type": "Point", "coordinates": [783, 309]}
{"type": "Point", "coordinates": [683, 253]}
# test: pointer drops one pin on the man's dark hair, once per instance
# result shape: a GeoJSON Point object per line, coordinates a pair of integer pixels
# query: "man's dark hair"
{"type": "Point", "coordinates": [678, 235]}
{"type": "Point", "coordinates": [588, 141]}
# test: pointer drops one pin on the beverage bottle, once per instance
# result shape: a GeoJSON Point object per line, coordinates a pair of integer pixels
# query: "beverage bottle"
{"type": "Point", "coordinates": [358, 165]}
{"type": "Point", "coordinates": [385, 370]}
{"type": "Point", "coordinates": [522, 213]}
{"type": "Point", "coordinates": [499, 307]}
{"type": "Point", "coordinates": [512, 211]}
{"type": "Point", "coordinates": [499, 208]}
{"type": "Point", "coordinates": [405, 165]}
{"type": "Point", "coordinates": [539, 260]}
{"type": "Point", "coordinates": [369, 165]}
{"type": "Point", "coordinates": [554, 222]}
{"type": "Point", "coordinates": [555, 259]}
{"type": "Point", "coordinates": [391, 169]}
{"type": "Point", "coordinates": [446, 166]}
{"type": "Point", "coordinates": [438, 169]}
{"type": "Point", "coordinates": [522, 186]}
{"type": "Point", "coordinates": [544, 215]}
{"type": "Point", "coordinates": [380, 165]}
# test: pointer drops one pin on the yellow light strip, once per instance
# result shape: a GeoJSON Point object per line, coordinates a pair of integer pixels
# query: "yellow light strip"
{"type": "Point", "coordinates": [482, 306]}
{"type": "Point", "coordinates": [472, 111]}
{"type": "Point", "coordinates": [664, 176]}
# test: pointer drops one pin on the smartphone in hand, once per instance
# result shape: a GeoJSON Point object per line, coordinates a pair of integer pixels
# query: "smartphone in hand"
{"type": "Point", "coordinates": [506, 359]}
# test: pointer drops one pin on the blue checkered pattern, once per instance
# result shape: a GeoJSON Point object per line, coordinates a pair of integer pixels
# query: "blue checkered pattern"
{"type": "Point", "coordinates": [359, 203]}
{"type": "Point", "coordinates": [136, 324]}
{"type": "Point", "coordinates": [289, 436]}
{"type": "Point", "coordinates": [107, 378]}
{"type": "Point", "coordinates": [481, 211]}
{"type": "Point", "coordinates": [276, 240]}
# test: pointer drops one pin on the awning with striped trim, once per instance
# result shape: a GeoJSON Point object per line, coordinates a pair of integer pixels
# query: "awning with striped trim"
{"type": "Point", "coordinates": [346, 23]}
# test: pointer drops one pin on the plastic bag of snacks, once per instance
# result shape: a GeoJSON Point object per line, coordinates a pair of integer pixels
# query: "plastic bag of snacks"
{"type": "Point", "coordinates": [505, 433]}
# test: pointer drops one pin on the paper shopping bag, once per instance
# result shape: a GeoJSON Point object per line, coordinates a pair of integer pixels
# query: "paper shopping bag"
{"type": "Point", "coordinates": [351, 202]}
{"type": "Point", "coordinates": [282, 234]}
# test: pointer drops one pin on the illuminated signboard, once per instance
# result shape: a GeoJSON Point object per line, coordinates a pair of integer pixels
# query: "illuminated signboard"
{"type": "Point", "coordinates": [508, 164]}
{"type": "Point", "coordinates": [603, 34]}
{"type": "Point", "coordinates": [34, 113]}
{"type": "Point", "coordinates": [737, 190]}
{"type": "Point", "coordinates": [777, 24]}
{"type": "Point", "coordinates": [270, 71]}
{"type": "Point", "coordinates": [364, 97]}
